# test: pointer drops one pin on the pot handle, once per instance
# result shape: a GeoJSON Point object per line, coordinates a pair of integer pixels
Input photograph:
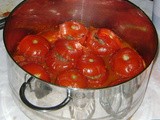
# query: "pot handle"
{"type": "Point", "coordinates": [2, 22]}
{"type": "Point", "coordinates": [26, 102]}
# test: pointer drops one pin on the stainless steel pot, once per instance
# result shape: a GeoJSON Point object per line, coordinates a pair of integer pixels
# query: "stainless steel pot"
{"type": "Point", "coordinates": [40, 100]}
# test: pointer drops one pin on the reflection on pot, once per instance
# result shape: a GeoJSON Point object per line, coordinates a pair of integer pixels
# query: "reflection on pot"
{"type": "Point", "coordinates": [119, 101]}
{"type": "Point", "coordinates": [82, 105]}
{"type": "Point", "coordinates": [115, 102]}
{"type": "Point", "coordinates": [34, 93]}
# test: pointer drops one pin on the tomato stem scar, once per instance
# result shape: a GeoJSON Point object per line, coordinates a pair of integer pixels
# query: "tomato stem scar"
{"type": "Point", "coordinates": [35, 41]}
{"type": "Point", "coordinates": [125, 57]}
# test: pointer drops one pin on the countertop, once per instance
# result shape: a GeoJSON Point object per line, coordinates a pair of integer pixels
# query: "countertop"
{"type": "Point", "coordinates": [149, 109]}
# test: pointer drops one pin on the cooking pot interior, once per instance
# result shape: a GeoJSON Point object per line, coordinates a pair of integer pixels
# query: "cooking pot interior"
{"type": "Point", "coordinates": [121, 16]}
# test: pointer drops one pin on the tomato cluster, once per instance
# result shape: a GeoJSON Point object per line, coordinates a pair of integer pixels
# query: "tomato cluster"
{"type": "Point", "coordinates": [77, 56]}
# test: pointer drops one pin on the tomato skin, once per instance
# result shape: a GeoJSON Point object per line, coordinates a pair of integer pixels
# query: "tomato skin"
{"type": "Point", "coordinates": [103, 42]}
{"type": "Point", "coordinates": [127, 63]}
{"type": "Point", "coordinates": [91, 65]}
{"type": "Point", "coordinates": [70, 50]}
{"type": "Point", "coordinates": [37, 71]}
{"type": "Point", "coordinates": [72, 78]}
{"type": "Point", "coordinates": [50, 35]}
{"type": "Point", "coordinates": [73, 31]}
{"type": "Point", "coordinates": [56, 62]}
{"type": "Point", "coordinates": [98, 82]}
{"type": "Point", "coordinates": [33, 46]}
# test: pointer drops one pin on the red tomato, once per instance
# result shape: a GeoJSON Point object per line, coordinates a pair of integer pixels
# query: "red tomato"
{"type": "Point", "coordinates": [70, 50]}
{"type": "Point", "coordinates": [72, 78]}
{"type": "Point", "coordinates": [103, 42]}
{"type": "Point", "coordinates": [75, 56]}
{"type": "Point", "coordinates": [91, 65]}
{"type": "Point", "coordinates": [33, 46]}
{"type": "Point", "coordinates": [73, 31]}
{"type": "Point", "coordinates": [57, 63]}
{"type": "Point", "coordinates": [50, 35]}
{"type": "Point", "coordinates": [37, 71]}
{"type": "Point", "coordinates": [127, 63]}
{"type": "Point", "coordinates": [98, 81]}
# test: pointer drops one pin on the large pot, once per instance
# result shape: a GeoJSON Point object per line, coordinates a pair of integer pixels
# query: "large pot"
{"type": "Point", "coordinates": [40, 100]}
